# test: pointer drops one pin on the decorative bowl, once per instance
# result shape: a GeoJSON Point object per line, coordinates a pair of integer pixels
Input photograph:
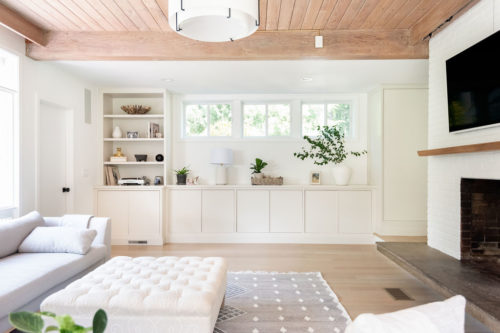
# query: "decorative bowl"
{"type": "Point", "coordinates": [141, 157]}
{"type": "Point", "coordinates": [136, 109]}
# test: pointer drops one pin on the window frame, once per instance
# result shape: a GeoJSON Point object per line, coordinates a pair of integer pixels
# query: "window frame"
{"type": "Point", "coordinates": [266, 136]}
{"type": "Point", "coordinates": [208, 136]}
{"type": "Point", "coordinates": [351, 135]}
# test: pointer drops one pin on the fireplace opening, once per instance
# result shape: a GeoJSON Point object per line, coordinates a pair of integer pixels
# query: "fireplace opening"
{"type": "Point", "coordinates": [480, 221]}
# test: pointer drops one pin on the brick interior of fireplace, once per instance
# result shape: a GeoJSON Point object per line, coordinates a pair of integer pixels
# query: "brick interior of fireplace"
{"type": "Point", "coordinates": [480, 221]}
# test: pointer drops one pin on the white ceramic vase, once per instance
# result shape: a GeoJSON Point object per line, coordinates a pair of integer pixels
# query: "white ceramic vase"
{"type": "Point", "coordinates": [341, 174]}
{"type": "Point", "coordinates": [117, 132]}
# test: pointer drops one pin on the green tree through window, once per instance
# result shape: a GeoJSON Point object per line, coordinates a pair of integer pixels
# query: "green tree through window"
{"type": "Point", "coordinates": [208, 120]}
{"type": "Point", "coordinates": [266, 120]}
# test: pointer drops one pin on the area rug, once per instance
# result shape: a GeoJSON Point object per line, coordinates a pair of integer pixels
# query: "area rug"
{"type": "Point", "coordinates": [262, 302]}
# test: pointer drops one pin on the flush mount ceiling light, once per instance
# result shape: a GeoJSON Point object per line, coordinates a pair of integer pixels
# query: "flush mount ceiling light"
{"type": "Point", "coordinates": [214, 20]}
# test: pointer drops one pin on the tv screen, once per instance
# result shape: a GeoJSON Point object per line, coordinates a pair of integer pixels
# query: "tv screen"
{"type": "Point", "coordinates": [473, 79]}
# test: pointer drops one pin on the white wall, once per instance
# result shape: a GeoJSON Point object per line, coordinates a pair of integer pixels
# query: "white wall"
{"type": "Point", "coordinates": [446, 171]}
{"type": "Point", "coordinates": [44, 81]}
{"type": "Point", "coordinates": [278, 153]}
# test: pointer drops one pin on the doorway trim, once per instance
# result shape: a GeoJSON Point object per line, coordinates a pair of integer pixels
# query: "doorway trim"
{"type": "Point", "coordinates": [69, 150]}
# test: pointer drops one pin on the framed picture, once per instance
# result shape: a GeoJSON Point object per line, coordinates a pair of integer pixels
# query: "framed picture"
{"type": "Point", "coordinates": [132, 135]}
{"type": "Point", "coordinates": [315, 178]}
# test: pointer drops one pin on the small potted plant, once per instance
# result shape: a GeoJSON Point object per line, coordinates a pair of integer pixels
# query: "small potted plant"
{"type": "Point", "coordinates": [257, 168]}
{"type": "Point", "coordinates": [329, 148]}
{"type": "Point", "coordinates": [182, 175]}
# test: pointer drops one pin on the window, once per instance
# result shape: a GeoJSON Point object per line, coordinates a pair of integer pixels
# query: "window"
{"type": "Point", "coordinates": [266, 120]}
{"type": "Point", "coordinates": [9, 81]}
{"type": "Point", "coordinates": [207, 120]}
{"type": "Point", "coordinates": [320, 114]}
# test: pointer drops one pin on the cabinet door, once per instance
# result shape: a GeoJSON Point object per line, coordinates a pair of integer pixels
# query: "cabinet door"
{"type": "Point", "coordinates": [286, 211]}
{"type": "Point", "coordinates": [144, 215]}
{"type": "Point", "coordinates": [114, 204]}
{"type": "Point", "coordinates": [217, 211]}
{"type": "Point", "coordinates": [321, 211]}
{"type": "Point", "coordinates": [252, 211]}
{"type": "Point", "coordinates": [355, 212]}
{"type": "Point", "coordinates": [185, 211]}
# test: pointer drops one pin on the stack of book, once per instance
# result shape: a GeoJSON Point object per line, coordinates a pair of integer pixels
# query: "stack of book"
{"type": "Point", "coordinates": [118, 159]}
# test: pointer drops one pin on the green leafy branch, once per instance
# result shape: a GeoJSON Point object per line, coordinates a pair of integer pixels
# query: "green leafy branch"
{"type": "Point", "coordinates": [183, 171]}
{"type": "Point", "coordinates": [328, 147]}
{"type": "Point", "coordinates": [32, 322]}
{"type": "Point", "coordinates": [257, 166]}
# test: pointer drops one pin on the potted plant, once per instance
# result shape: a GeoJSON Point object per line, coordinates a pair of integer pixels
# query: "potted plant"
{"type": "Point", "coordinates": [182, 175]}
{"type": "Point", "coordinates": [32, 322]}
{"type": "Point", "coordinates": [257, 168]}
{"type": "Point", "coordinates": [329, 148]}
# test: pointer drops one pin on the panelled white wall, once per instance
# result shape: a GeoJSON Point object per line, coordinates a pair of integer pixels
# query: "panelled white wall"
{"type": "Point", "coordinates": [446, 171]}
{"type": "Point", "coordinates": [44, 81]}
{"type": "Point", "coordinates": [278, 152]}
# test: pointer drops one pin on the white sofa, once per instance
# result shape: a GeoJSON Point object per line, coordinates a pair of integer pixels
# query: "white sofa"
{"type": "Point", "coordinates": [26, 279]}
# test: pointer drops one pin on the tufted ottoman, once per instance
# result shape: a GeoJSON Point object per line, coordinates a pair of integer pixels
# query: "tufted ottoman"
{"type": "Point", "coordinates": [147, 294]}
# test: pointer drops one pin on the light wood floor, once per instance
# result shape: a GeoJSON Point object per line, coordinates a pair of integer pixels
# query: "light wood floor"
{"type": "Point", "coordinates": [357, 273]}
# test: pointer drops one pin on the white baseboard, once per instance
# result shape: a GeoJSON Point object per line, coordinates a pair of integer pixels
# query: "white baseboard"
{"type": "Point", "coordinates": [283, 238]}
{"type": "Point", "coordinates": [404, 228]}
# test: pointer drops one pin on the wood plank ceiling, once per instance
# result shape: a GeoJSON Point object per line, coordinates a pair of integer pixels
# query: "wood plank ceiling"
{"type": "Point", "coordinates": [138, 29]}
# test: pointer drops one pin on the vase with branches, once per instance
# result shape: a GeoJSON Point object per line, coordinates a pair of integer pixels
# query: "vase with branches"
{"type": "Point", "coordinates": [328, 147]}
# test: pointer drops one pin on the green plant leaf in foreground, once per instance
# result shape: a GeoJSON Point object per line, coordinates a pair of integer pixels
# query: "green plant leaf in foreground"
{"type": "Point", "coordinates": [52, 328]}
{"type": "Point", "coordinates": [100, 321]}
{"type": "Point", "coordinates": [26, 321]}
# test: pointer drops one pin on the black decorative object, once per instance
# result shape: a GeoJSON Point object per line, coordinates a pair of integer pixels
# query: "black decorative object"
{"type": "Point", "coordinates": [181, 179]}
{"type": "Point", "coordinates": [159, 158]}
{"type": "Point", "coordinates": [141, 157]}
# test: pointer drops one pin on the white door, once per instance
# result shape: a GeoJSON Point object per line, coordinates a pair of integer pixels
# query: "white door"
{"type": "Point", "coordinates": [54, 159]}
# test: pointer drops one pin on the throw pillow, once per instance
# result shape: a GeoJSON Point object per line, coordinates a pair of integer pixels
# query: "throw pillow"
{"type": "Point", "coordinates": [13, 232]}
{"type": "Point", "coordinates": [58, 240]}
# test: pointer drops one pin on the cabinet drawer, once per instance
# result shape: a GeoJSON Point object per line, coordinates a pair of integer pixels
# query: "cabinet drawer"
{"type": "Point", "coordinates": [355, 209]}
{"type": "Point", "coordinates": [286, 211]}
{"type": "Point", "coordinates": [217, 211]}
{"type": "Point", "coordinates": [252, 211]}
{"type": "Point", "coordinates": [185, 211]}
{"type": "Point", "coordinates": [321, 212]}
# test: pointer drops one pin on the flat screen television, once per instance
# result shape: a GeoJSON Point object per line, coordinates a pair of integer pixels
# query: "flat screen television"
{"type": "Point", "coordinates": [473, 80]}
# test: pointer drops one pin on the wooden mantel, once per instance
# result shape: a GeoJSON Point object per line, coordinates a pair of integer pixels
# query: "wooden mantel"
{"type": "Point", "coordinates": [478, 147]}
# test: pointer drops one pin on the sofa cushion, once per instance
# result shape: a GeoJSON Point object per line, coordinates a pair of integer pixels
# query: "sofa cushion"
{"type": "Point", "coordinates": [58, 240]}
{"type": "Point", "coordinates": [26, 276]}
{"type": "Point", "coordinates": [438, 317]}
{"type": "Point", "coordinates": [13, 232]}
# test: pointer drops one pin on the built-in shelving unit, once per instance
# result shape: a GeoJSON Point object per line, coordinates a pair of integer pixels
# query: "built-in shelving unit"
{"type": "Point", "coordinates": [113, 116]}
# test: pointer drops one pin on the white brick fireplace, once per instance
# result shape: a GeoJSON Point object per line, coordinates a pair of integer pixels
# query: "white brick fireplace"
{"type": "Point", "coordinates": [445, 172]}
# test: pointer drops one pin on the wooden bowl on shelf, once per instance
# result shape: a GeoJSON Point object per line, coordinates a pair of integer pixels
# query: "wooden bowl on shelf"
{"type": "Point", "coordinates": [135, 109]}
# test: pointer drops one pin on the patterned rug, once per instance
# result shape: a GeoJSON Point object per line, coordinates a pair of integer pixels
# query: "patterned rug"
{"type": "Point", "coordinates": [262, 302]}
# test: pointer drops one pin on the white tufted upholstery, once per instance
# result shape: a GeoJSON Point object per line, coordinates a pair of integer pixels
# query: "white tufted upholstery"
{"type": "Point", "coordinates": [166, 294]}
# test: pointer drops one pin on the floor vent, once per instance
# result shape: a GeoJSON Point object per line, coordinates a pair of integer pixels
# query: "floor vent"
{"type": "Point", "coordinates": [398, 294]}
{"type": "Point", "coordinates": [143, 242]}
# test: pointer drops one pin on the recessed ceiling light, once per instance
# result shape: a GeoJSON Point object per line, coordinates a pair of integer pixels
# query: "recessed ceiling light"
{"type": "Point", "coordinates": [307, 79]}
{"type": "Point", "coordinates": [167, 80]}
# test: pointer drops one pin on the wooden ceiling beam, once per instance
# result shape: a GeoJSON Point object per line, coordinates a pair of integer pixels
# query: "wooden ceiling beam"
{"type": "Point", "coordinates": [263, 45]}
{"type": "Point", "coordinates": [438, 18]}
{"type": "Point", "coordinates": [15, 22]}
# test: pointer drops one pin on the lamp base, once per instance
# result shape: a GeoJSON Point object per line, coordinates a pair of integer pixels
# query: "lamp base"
{"type": "Point", "coordinates": [220, 175]}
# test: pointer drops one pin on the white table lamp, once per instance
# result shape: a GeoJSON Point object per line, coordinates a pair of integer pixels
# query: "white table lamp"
{"type": "Point", "coordinates": [221, 157]}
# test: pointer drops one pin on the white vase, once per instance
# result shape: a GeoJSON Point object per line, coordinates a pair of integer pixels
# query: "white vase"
{"type": "Point", "coordinates": [259, 175]}
{"type": "Point", "coordinates": [117, 132]}
{"type": "Point", "coordinates": [341, 174]}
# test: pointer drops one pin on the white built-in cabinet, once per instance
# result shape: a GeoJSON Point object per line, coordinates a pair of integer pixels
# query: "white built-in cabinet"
{"type": "Point", "coordinates": [136, 213]}
{"type": "Point", "coordinates": [397, 118]}
{"type": "Point", "coordinates": [309, 214]}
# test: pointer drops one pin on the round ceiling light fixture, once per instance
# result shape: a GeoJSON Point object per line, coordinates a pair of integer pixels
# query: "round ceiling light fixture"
{"type": "Point", "coordinates": [214, 20]}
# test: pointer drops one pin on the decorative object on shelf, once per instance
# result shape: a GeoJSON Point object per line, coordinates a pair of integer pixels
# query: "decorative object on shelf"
{"type": "Point", "coordinates": [159, 135]}
{"type": "Point", "coordinates": [117, 132]}
{"type": "Point", "coordinates": [131, 181]}
{"type": "Point", "coordinates": [214, 20]}
{"type": "Point", "coordinates": [257, 168]}
{"type": "Point", "coordinates": [159, 158]}
{"type": "Point", "coordinates": [182, 175]}
{"type": "Point", "coordinates": [329, 147]}
{"type": "Point", "coordinates": [118, 153]}
{"type": "Point", "coordinates": [221, 157]}
{"type": "Point", "coordinates": [153, 129]}
{"type": "Point", "coordinates": [112, 175]}
{"type": "Point", "coordinates": [315, 178]}
{"type": "Point", "coordinates": [141, 157]}
{"type": "Point", "coordinates": [158, 180]}
{"type": "Point", "coordinates": [193, 181]}
{"type": "Point", "coordinates": [267, 180]}
{"type": "Point", "coordinates": [135, 109]}
{"type": "Point", "coordinates": [132, 135]}
{"type": "Point", "coordinates": [33, 322]}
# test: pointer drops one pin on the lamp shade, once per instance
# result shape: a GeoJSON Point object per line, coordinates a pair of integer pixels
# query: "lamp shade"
{"type": "Point", "coordinates": [221, 156]}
